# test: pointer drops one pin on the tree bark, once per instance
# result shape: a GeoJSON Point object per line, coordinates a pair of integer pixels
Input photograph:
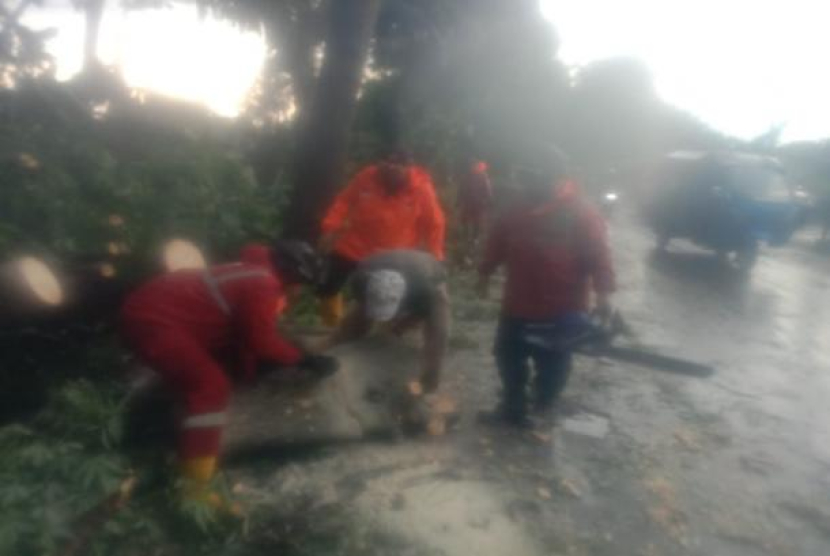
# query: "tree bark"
{"type": "Point", "coordinates": [325, 135]}
{"type": "Point", "coordinates": [298, 51]}
{"type": "Point", "coordinates": [93, 11]}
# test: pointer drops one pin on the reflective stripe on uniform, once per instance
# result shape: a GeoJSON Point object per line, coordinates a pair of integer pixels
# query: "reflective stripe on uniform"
{"type": "Point", "coordinates": [213, 289]}
{"type": "Point", "coordinates": [205, 420]}
{"type": "Point", "coordinates": [212, 283]}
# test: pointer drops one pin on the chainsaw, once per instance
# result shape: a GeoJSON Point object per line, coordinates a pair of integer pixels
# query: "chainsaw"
{"type": "Point", "coordinates": [594, 337]}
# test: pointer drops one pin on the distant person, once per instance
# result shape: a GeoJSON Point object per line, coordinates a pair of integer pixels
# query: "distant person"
{"type": "Point", "coordinates": [388, 205]}
{"type": "Point", "coordinates": [186, 324]}
{"type": "Point", "coordinates": [554, 249]}
{"type": "Point", "coordinates": [401, 288]}
{"type": "Point", "coordinates": [475, 195]}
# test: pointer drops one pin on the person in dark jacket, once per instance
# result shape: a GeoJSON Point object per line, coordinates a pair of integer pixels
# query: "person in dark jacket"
{"type": "Point", "coordinates": [554, 249]}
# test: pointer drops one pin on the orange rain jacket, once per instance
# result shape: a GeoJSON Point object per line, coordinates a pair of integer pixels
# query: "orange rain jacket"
{"type": "Point", "coordinates": [365, 220]}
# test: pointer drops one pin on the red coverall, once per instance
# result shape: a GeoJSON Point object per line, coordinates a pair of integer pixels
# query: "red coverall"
{"type": "Point", "coordinates": [183, 323]}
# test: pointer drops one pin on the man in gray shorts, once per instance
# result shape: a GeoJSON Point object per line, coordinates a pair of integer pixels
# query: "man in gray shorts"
{"type": "Point", "coordinates": [401, 288]}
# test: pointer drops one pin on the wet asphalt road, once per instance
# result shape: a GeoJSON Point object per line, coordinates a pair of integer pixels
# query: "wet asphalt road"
{"type": "Point", "coordinates": [734, 464]}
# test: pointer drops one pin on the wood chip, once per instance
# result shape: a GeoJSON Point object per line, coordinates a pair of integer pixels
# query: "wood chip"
{"type": "Point", "coordinates": [541, 437]}
{"type": "Point", "coordinates": [115, 220]}
{"type": "Point", "coordinates": [28, 161]}
{"type": "Point", "coordinates": [125, 490]}
{"type": "Point", "coordinates": [415, 388]}
{"type": "Point", "coordinates": [688, 440]}
{"type": "Point", "coordinates": [240, 488]}
{"type": "Point", "coordinates": [544, 493]}
{"type": "Point", "coordinates": [444, 405]}
{"type": "Point", "coordinates": [306, 403]}
{"type": "Point", "coordinates": [107, 270]}
{"type": "Point", "coordinates": [437, 426]}
{"type": "Point", "coordinates": [570, 488]}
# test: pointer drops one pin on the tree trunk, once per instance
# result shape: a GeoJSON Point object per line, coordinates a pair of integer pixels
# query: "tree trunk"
{"type": "Point", "coordinates": [299, 42]}
{"type": "Point", "coordinates": [93, 11]}
{"type": "Point", "coordinates": [324, 139]}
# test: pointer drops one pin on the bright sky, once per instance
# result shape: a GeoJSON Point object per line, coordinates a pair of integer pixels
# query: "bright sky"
{"type": "Point", "coordinates": [171, 51]}
{"type": "Point", "coordinates": [739, 65]}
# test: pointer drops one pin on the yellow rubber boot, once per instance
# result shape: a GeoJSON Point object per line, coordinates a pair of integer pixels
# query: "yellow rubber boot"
{"type": "Point", "coordinates": [198, 473]}
{"type": "Point", "coordinates": [331, 310]}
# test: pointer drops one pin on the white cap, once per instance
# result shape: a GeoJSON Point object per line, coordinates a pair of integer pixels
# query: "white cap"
{"type": "Point", "coordinates": [385, 290]}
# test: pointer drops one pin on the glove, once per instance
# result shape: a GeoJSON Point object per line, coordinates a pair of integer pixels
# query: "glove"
{"type": "Point", "coordinates": [320, 366]}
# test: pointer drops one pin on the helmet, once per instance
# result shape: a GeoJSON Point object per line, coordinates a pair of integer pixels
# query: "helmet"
{"type": "Point", "coordinates": [297, 260]}
{"type": "Point", "coordinates": [385, 291]}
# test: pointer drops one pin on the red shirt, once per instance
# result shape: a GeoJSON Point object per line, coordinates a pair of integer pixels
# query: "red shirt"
{"type": "Point", "coordinates": [553, 254]}
{"type": "Point", "coordinates": [253, 296]}
{"type": "Point", "coordinates": [367, 220]}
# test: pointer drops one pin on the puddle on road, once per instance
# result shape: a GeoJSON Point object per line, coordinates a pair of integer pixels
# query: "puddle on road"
{"type": "Point", "coordinates": [587, 424]}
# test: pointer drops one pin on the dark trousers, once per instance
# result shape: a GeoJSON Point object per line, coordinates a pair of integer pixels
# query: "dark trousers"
{"type": "Point", "coordinates": [513, 357]}
{"type": "Point", "coordinates": [338, 270]}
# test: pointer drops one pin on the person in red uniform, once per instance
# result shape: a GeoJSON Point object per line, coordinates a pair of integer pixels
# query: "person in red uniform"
{"type": "Point", "coordinates": [187, 323]}
{"type": "Point", "coordinates": [475, 195]}
{"type": "Point", "coordinates": [388, 205]}
{"type": "Point", "coordinates": [555, 251]}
